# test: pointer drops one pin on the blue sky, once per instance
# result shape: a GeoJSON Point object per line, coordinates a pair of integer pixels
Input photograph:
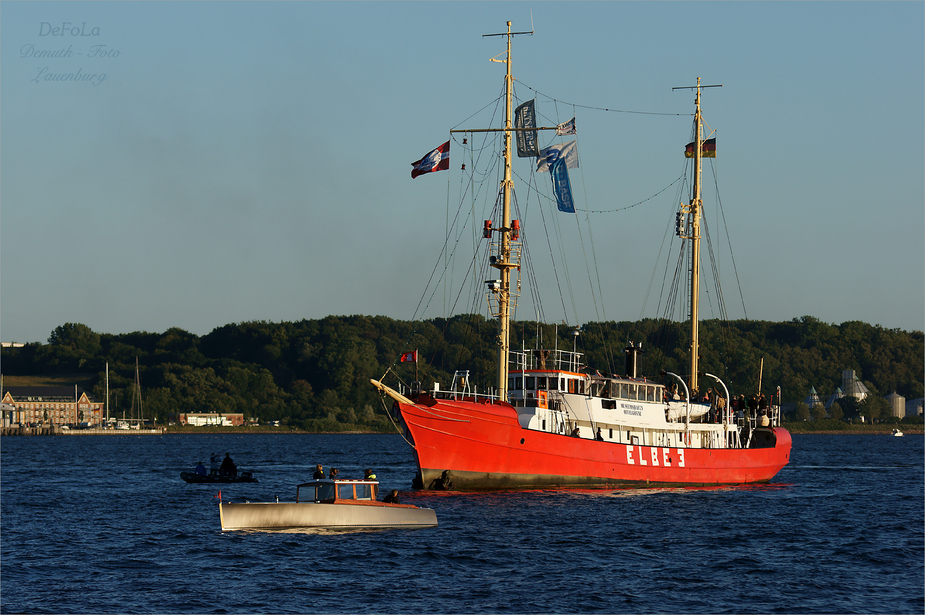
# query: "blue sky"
{"type": "Point", "coordinates": [251, 160]}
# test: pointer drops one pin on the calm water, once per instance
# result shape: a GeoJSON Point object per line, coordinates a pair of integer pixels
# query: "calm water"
{"type": "Point", "coordinates": [105, 525]}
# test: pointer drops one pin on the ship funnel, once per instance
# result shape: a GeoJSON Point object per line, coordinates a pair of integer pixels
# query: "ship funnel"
{"type": "Point", "coordinates": [632, 359]}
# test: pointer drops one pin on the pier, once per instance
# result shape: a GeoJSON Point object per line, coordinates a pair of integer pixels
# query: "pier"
{"type": "Point", "coordinates": [51, 430]}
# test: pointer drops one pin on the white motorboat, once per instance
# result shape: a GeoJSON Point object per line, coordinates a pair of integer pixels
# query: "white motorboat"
{"type": "Point", "coordinates": [897, 432]}
{"type": "Point", "coordinates": [327, 503]}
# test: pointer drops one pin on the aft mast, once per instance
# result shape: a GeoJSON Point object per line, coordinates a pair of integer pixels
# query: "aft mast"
{"type": "Point", "coordinates": [696, 203]}
{"type": "Point", "coordinates": [694, 212]}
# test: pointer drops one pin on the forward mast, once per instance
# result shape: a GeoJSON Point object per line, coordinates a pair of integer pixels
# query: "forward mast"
{"type": "Point", "coordinates": [506, 250]}
{"type": "Point", "coordinates": [504, 263]}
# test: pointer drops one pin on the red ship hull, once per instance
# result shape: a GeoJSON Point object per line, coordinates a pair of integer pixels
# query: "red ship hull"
{"type": "Point", "coordinates": [470, 445]}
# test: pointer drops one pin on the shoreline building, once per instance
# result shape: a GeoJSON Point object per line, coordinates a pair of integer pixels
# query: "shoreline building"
{"type": "Point", "coordinates": [834, 397]}
{"type": "Point", "coordinates": [914, 407]}
{"type": "Point", "coordinates": [852, 387]}
{"type": "Point", "coordinates": [897, 404]}
{"type": "Point", "coordinates": [202, 419]}
{"type": "Point", "coordinates": [56, 405]}
{"type": "Point", "coordinates": [812, 399]}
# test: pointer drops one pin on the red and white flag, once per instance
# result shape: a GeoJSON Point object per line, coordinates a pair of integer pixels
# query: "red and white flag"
{"type": "Point", "coordinates": [436, 160]}
{"type": "Point", "coordinates": [410, 357]}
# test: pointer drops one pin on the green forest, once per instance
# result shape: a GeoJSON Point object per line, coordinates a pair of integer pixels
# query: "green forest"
{"type": "Point", "coordinates": [314, 375]}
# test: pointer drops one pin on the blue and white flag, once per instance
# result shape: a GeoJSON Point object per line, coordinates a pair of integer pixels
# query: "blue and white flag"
{"type": "Point", "coordinates": [566, 128]}
{"type": "Point", "coordinates": [561, 186]}
{"type": "Point", "coordinates": [567, 151]}
{"type": "Point", "coordinates": [525, 117]}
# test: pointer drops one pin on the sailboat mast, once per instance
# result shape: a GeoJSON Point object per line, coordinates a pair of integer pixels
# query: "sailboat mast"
{"type": "Point", "coordinates": [504, 264]}
{"type": "Point", "coordinates": [136, 394]}
{"type": "Point", "coordinates": [695, 247]}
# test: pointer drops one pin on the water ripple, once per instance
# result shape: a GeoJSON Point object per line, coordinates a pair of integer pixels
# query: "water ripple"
{"type": "Point", "coordinates": [119, 536]}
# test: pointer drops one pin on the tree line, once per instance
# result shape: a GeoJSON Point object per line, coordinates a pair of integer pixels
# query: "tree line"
{"type": "Point", "coordinates": [314, 374]}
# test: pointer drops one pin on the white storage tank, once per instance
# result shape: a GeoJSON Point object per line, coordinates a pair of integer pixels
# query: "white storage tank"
{"type": "Point", "coordinates": [897, 405]}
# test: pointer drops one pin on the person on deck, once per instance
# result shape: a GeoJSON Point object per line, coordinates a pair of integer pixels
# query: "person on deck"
{"type": "Point", "coordinates": [599, 437]}
{"type": "Point", "coordinates": [391, 497]}
{"type": "Point", "coordinates": [720, 408]}
{"type": "Point", "coordinates": [319, 472]}
{"type": "Point", "coordinates": [214, 463]}
{"type": "Point", "coordinates": [368, 474]}
{"type": "Point", "coordinates": [333, 473]}
{"type": "Point", "coordinates": [228, 468]}
{"type": "Point", "coordinates": [200, 470]}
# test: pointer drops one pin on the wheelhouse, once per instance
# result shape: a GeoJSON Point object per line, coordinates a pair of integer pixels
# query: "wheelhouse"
{"type": "Point", "coordinates": [329, 491]}
{"type": "Point", "coordinates": [541, 376]}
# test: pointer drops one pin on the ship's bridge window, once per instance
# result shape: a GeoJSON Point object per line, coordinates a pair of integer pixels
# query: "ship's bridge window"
{"type": "Point", "coordinates": [517, 382]}
{"type": "Point", "coordinates": [541, 383]}
{"type": "Point", "coordinates": [345, 492]}
{"type": "Point", "coordinates": [571, 385]}
{"type": "Point", "coordinates": [531, 383]}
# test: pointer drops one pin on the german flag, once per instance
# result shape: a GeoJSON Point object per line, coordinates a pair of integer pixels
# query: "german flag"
{"type": "Point", "coordinates": [707, 150]}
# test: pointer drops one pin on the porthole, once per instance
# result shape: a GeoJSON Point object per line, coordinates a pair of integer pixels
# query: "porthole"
{"type": "Point", "coordinates": [521, 440]}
